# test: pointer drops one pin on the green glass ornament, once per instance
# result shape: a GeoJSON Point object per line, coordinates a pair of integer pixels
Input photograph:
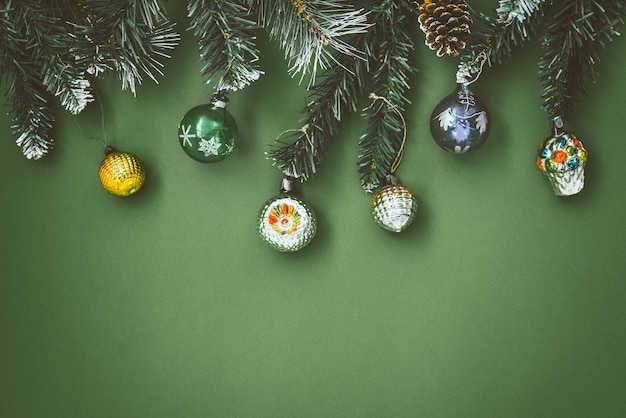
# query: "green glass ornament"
{"type": "Point", "coordinates": [208, 132]}
{"type": "Point", "coordinates": [286, 223]}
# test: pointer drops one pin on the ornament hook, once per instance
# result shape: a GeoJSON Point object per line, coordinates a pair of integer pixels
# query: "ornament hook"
{"type": "Point", "coordinates": [557, 124]}
{"type": "Point", "coordinates": [464, 73]}
{"type": "Point", "coordinates": [220, 99]}
{"type": "Point", "coordinates": [286, 185]}
{"type": "Point", "coordinates": [396, 162]}
{"type": "Point", "coordinates": [109, 150]}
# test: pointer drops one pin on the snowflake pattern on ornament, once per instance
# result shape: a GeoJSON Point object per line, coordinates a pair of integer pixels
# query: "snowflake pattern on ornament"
{"type": "Point", "coordinates": [229, 148]}
{"type": "Point", "coordinates": [186, 135]}
{"type": "Point", "coordinates": [209, 147]}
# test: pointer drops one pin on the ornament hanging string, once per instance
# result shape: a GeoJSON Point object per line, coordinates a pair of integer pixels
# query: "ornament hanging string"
{"type": "Point", "coordinates": [464, 73]}
{"type": "Point", "coordinates": [104, 141]}
{"type": "Point", "coordinates": [398, 159]}
{"type": "Point", "coordinates": [104, 132]}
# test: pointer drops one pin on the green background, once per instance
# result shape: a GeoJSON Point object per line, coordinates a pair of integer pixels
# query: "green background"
{"type": "Point", "coordinates": [501, 300]}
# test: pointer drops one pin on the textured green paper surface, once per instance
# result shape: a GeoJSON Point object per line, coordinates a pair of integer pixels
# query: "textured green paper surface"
{"type": "Point", "coordinates": [500, 300]}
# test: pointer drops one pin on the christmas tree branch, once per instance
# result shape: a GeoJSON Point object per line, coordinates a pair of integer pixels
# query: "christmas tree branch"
{"type": "Point", "coordinates": [49, 48]}
{"type": "Point", "coordinates": [509, 11]}
{"type": "Point", "coordinates": [312, 31]}
{"type": "Point", "coordinates": [59, 72]}
{"type": "Point", "coordinates": [381, 147]}
{"type": "Point", "coordinates": [128, 36]}
{"type": "Point", "coordinates": [493, 38]}
{"type": "Point", "coordinates": [36, 33]}
{"type": "Point", "coordinates": [227, 42]}
{"type": "Point", "coordinates": [574, 36]}
{"type": "Point", "coordinates": [23, 35]}
{"type": "Point", "coordinates": [61, 75]}
{"type": "Point", "coordinates": [34, 119]}
{"type": "Point", "coordinates": [299, 152]}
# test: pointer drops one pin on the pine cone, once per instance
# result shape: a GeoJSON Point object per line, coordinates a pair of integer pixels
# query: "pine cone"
{"type": "Point", "coordinates": [446, 24]}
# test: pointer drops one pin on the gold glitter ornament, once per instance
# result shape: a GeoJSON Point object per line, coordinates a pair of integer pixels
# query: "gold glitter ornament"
{"type": "Point", "coordinates": [121, 173]}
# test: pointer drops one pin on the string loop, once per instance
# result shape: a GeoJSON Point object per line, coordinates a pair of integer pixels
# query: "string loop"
{"type": "Point", "coordinates": [398, 159]}
{"type": "Point", "coordinates": [464, 73]}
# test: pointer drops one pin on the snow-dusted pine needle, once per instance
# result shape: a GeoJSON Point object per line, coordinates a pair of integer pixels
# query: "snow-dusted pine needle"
{"type": "Point", "coordinates": [509, 10]}
{"type": "Point", "coordinates": [311, 32]}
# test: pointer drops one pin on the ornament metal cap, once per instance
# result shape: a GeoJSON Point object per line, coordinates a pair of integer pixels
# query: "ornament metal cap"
{"type": "Point", "coordinates": [286, 185]}
{"type": "Point", "coordinates": [219, 99]}
{"type": "Point", "coordinates": [391, 180]}
{"type": "Point", "coordinates": [557, 124]}
{"type": "Point", "coordinates": [109, 150]}
{"type": "Point", "coordinates": [463, 76]}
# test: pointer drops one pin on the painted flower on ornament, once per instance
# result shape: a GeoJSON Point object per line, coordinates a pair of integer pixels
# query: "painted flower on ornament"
{"type": "Point", "coordinates": [446, 119]}
{"type": "Point", "coordinates": [482, 122]}
{"type": "Point", "coordinates": [539, 163]}
{"type": "Point", "coordinates": [577, 143]}
{"type": "Point", "coordinates": [209, 147]}
{"type": "Point", "coordinates": [284, 219]}
{"type": "Point", "coordinates": [559, 156]}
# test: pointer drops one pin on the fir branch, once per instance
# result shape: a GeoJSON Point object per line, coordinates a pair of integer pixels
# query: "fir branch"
{"type": "Point", "coordinates": [50, 47]}
{"type": "Point", "coordinates": [60, 73]}
{"type": "Point", "coordinates": [127, 36]}
{"type": "Point", "coordinates": [22, 34]}
{"type": "Point", "coordinates": [381, 147]}
{"type": "Point", "coordinates": [34, 119]}
{"type": "Point", "coordinates": [494, 37]}
{"type": "Point", "coordinates": [68, 83]}
{"type": "Point", "coordinates": [298, 153]}
{"type": "Point", "coordinates": [311, 32]}
{"type": "Point", "coordinates": [138, 40]}
{"type": "Point", "coordinates": [520, 10]}
{"type": "Point", "coordinates": [576, 33]}
{"type": "Point", "coordinates": [41, 31]}
{"type": "Point", "coordinates": [227, 43]}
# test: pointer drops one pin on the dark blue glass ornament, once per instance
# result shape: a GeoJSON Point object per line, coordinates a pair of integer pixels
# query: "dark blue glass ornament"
{"type": "Point", "coordinates": [460, 122]}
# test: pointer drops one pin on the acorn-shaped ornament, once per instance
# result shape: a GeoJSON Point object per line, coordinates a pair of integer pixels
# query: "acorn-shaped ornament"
{"type": "Point", "coordinates": [393, 206]}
